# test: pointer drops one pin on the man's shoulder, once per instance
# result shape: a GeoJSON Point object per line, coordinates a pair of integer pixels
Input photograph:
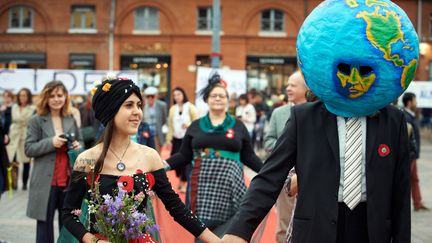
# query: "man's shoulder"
{"type": "Point", "coordinates": [391, 110]}
{"type": "Point", "coordinates": [282, 108]}
{"type": "Point", "coordinates": [309, 106]}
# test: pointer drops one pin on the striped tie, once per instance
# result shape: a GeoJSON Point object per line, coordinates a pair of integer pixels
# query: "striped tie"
{"type": "Point", "coordinates": [353, 156]}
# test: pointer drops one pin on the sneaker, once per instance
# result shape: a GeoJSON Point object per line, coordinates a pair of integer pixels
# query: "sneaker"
{"type": "Point", "coordinates": [421, 208]}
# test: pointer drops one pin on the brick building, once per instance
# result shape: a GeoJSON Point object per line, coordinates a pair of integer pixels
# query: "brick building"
{"type": "Point", "coordinates": [166, 40]}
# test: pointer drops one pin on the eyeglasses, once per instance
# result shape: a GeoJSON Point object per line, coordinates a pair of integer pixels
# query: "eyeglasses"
{"type": "Point", "coordinates": [150, 96]}
{"type": "Point", "coordinates": [214, 96]}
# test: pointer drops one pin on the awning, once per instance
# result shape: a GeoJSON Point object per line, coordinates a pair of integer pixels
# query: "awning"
{"type": "Point", "coordinates": [23, 58]}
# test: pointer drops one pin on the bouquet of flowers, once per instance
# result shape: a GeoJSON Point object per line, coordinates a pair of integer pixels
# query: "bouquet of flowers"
{"type": "Point", "coordinates": [118, 217]}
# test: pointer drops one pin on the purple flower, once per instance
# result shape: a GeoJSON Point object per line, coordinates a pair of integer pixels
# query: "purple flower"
{"type": "Point", "coordinates": [152, 228]}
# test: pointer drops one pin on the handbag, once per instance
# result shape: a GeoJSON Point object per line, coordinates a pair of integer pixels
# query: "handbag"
{"type": "Point", "coordinates": [14, 174]}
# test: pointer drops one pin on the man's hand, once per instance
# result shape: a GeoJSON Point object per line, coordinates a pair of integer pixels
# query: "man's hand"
{"type": "Point", "coordinates": [232, 239]}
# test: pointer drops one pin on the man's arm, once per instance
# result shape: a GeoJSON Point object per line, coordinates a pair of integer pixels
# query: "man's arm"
{"type": "Point", "coordinates": [270, 136]}
{"type": "Point", "coordinates": [266, 186]}
{"type": "Point", "coordinates": [401, 211]}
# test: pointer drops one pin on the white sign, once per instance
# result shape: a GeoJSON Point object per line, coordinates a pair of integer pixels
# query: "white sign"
{"type": "Point", "coordinates": [423, 92]}
{"type": "Point", "coordinates": [77, 82]}
{"type": "Point", "coordinates": [235, 79]}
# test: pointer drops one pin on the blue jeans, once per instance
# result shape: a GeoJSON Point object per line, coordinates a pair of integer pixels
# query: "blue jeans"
{"type": "Point", "coordinates": [45, 229]}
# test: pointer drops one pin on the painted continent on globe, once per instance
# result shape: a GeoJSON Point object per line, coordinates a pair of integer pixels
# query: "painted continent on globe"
{"type": "Point", "coordinates": [357, 56]}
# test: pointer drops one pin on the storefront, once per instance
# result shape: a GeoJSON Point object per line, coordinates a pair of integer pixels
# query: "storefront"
{"type": "Point", "coordinates": [22, 60]}
{"type": "Point", "coordinates": [152, 71]}
{"type": "Point", "coordinates": [269, 74]}
{"type": "Point", "coordinates": [82, 61]}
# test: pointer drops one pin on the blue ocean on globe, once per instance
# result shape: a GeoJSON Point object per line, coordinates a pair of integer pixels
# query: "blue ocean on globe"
{"type": "Point", "coordinates": [357, 56]}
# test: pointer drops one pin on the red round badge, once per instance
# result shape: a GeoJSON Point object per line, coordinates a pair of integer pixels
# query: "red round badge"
{"type": "Point", "coordinates": [230, 133]}
{"type": "Point", "coordinates": [383, 150]}
{"type": "Point", "coordinates": [151, 180]}
{"type": "Point", "coordinates": [126, 183]}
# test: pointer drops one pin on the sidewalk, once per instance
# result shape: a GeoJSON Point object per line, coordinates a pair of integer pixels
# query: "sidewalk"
{"type": "Point", "coordinates": [15, 227]}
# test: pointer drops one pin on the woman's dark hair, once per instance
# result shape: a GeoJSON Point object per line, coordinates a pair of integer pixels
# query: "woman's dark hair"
{"type": "Point", "coordinates": [106, 140]}
{"type": "Point", "coordinates": [214, 81]}
{"type": "Point", "coordinates": [185, 98]}
{"type": "Point", "coordinates": [29, 96]}
{"type": "Point", "coordinates": [244, 97]}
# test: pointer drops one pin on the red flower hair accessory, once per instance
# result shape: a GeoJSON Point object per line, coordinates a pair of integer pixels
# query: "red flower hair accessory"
{"type": "Point", "coordinates": [126, 183]}
{"type": "Point", "coordinates": [383, 150]}
{"type": "Point", "coordinates": [223, 83]}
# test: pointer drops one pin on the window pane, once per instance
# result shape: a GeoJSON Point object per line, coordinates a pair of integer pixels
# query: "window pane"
{"type": "Point", "coordinates": [146, 18]}
{"type": "Point", "coordinates": [83, 17]}
{"type": "Point", "coordinates": [89, 20]}
{"type": "Point", "coordinates": [202, 24]}
{"type": "Point", "coordinates": [205, 20]}
{"type": "Point", "coordinates": [202, 12]}
{"type": "Point", "coordinates": [430, 26]}
{"type": "Point", "coordinates": [265, 14]}
{"type": "Point", "coordinates": [265, 25]}
{"type": "Point", "coordinates": [27, 17]}
{"type": "Point", "coordinates": [278, 26]}
{"type": "Point", "coordinates": [76, 20]}
{"type": "Point", "coordinates": [14, 17]}
{"type": "Point", "coordinates": [278, 14]}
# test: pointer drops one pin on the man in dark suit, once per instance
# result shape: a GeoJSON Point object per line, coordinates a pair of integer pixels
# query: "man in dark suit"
{"type": "Point", "coordinates": [311, 142]}
{"type": "Point", "coordinates": [410, 105]}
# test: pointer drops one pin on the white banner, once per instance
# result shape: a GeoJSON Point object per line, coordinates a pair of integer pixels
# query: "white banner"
{"type": "Point", "coordinates": [235, 79]}
{"type": "Point", "coordinates": [78, 82]}
{"type": "Point", "coordinates": [423, 92]}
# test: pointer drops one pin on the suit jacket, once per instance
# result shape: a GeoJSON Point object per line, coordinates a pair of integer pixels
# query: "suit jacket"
{"type": "Point", "coordinates": [276, 126]}
{"type": "Point", "coordinates": [40, 132]}
{"type": "Point", "coordinates": [161, 118]}
{"type": "Point", "coordinates": [310, 142]}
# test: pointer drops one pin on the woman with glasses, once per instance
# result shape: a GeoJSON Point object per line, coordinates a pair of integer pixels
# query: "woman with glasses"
{"type": "Point", "coordinates": [216, 145]}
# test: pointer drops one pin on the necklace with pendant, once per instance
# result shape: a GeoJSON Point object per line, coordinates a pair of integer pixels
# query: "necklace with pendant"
{"type": "Point", "coordinates": [120, 165]}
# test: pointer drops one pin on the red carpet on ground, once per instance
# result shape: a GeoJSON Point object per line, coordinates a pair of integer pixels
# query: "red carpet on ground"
{"type": "Point", "coordinates": [171, 232]}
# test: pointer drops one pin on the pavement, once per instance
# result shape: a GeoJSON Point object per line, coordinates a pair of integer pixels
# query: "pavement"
{"type": "Point", "coordinates": [16, 227]}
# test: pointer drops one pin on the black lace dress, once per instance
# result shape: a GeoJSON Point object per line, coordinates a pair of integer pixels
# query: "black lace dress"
{"type": "Point", "coordinates": [156, 181]}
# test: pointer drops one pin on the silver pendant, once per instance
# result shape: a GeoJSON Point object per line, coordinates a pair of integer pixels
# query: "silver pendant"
{"type": "Point", "coordinates": [121, 166]}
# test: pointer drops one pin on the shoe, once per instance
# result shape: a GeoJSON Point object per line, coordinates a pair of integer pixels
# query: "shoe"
{"type": "Point", "coordinates": [421, 208]}
{"type": "Point", "coordinates": [25, 188]}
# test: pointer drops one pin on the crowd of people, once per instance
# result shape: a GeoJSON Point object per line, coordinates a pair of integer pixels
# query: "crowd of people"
{"type": "Point", "coordinates": [208, 153]}
{"type": "Point", "coordinates": [342, 163]}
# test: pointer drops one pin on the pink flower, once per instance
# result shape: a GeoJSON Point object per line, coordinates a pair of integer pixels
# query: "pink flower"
{"type": "Point", "coordinates": [139, 197]}
{"type": "Point", "coordinates": [76, 212]}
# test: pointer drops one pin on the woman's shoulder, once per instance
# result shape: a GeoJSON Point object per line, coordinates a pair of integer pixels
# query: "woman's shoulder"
{"type": "Point", "coordinates": [148, 155]}
{"type": "Point", "coordinates": [87, 159]}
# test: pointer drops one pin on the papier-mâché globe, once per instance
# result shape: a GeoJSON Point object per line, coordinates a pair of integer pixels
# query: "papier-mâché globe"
{"type": "Point", "coordinates": [357, 56]}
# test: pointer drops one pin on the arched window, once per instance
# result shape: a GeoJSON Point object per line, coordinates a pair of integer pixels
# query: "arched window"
{"type": "Point", "coordinates": [146, 18]}
{"type": "Point", "coordinates": [272, 20]}
{"type": "Point", "coordinates": [20, 18]}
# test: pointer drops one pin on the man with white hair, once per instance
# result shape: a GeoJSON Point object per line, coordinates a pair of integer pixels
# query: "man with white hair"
{"type": "Point", "coordinates": [155, 114]}
{"type": "Point", "coordinates": [296, 90]}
